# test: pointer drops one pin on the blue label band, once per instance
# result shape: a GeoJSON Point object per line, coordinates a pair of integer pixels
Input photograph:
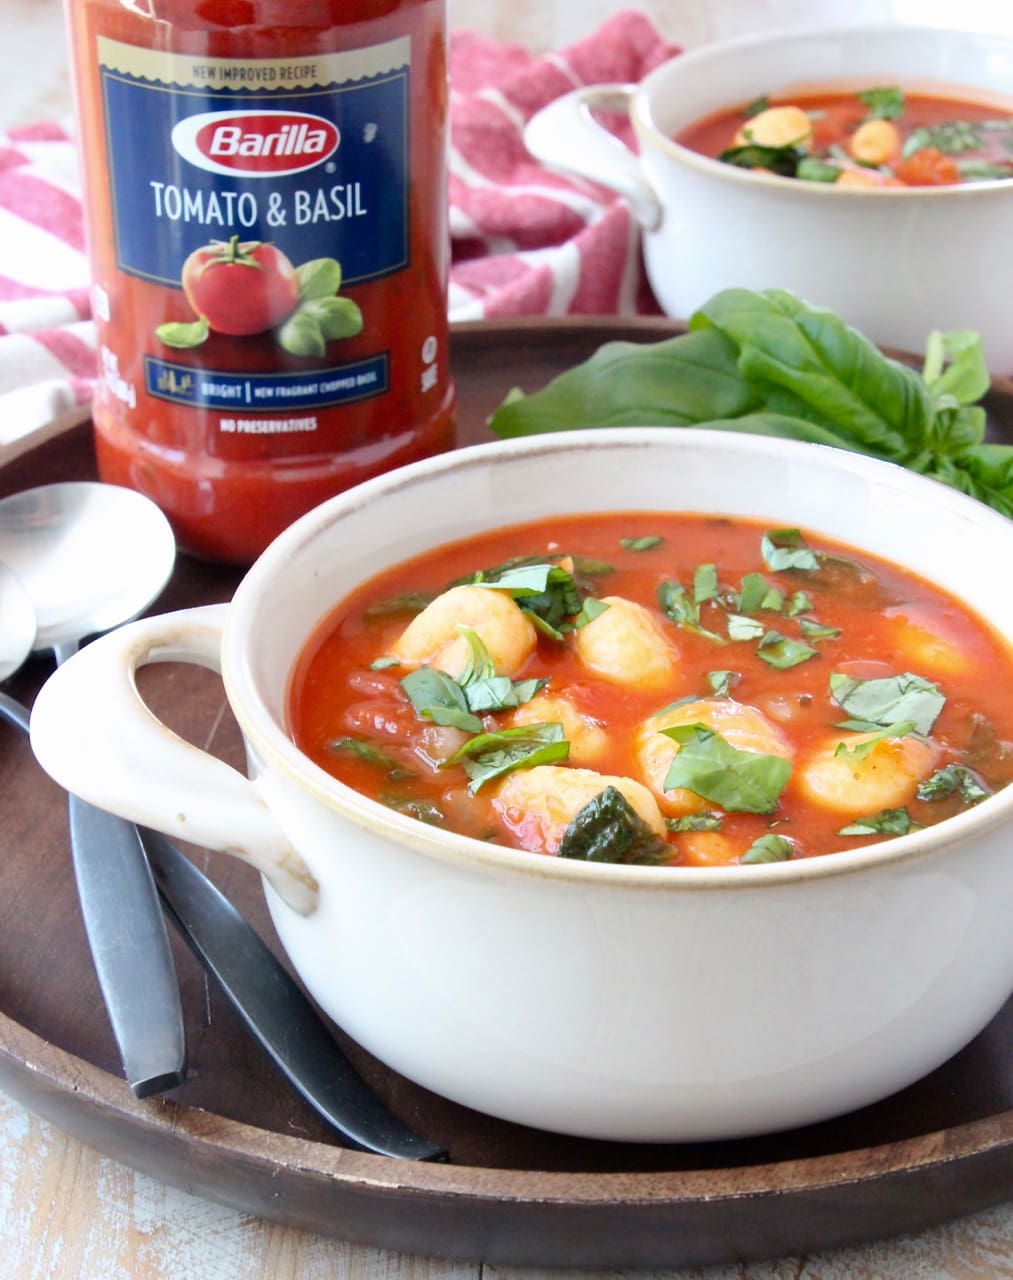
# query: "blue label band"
{"type": "Point", "coordinates": [248, 393]}
{"type": "Point", "coordinates": [318, 169]}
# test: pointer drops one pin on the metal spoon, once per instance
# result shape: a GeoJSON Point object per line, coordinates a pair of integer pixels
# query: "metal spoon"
{"type": "Point", "coordinates": [92, 556]}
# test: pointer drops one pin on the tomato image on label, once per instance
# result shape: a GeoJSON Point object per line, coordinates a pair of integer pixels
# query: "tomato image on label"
{"type": "Point", "coordinates": [240, 288]}
{"type": "Point", "coordinates": [243, 288]}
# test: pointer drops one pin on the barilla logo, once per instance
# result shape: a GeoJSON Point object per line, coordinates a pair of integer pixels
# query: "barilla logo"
{"type": "Point", "coordinates": [255, 144]}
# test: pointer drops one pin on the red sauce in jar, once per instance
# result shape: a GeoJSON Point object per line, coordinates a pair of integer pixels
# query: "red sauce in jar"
{"type": "Point", "coordinates": [265, 191]}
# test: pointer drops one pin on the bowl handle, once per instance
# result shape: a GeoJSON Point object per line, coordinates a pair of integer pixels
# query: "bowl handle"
{"type": "Point", "coordinates": [92, 732]}
{"type": "Point", "coordinates": [566, 136]}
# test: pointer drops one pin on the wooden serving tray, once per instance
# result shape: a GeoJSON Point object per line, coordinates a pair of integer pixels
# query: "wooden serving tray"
{"type": "Point", "coordinates": [235, 1133]}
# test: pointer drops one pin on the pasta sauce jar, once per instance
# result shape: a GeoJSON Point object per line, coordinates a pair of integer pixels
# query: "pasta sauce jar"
{"type": "Point", "coordinates": [265, 186]}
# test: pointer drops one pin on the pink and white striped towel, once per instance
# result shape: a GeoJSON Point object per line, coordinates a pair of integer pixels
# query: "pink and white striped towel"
{"type": "Point", "coordinates": [524, 241]}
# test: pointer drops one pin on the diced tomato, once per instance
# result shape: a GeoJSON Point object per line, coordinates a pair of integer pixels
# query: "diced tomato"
{"type": "Point", "coordinates": [928, 167]}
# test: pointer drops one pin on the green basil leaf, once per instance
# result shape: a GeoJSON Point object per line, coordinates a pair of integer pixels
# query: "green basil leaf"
{"type": "Point", "coordinates": [439, 698]}
{"type": "Point", "coordinates": [752, 592]}
{"type": "Point", "coordinates": [422, 810]}
{"type": "Point", "coordinates": [889, 700]}
{"type": "Point", "coordinates": [301, 335]}
{"type": "Point", "coordinates": [810, 169]}
{"type": "Point", "coordinates": [320, 278]}
{"type": "Point", "coordinates": [721, 682]}
{"type": "Point", "coordinates": [547, 592]}
{"type": "Point", "coordinates": [889, 822]}
{"type": "Point", "coordinates": [798, 603]}
{"type": "Point", "coordinates": [769, 848]}
{"type": "Point", "coordinates": [490, 755]}
{"type": "Point", "coordinates": [337, 317]}
{"type": "Point", "coordinates": [590, 610]}
{"type": "Point", "coordinates": [737, 781]}
{"type": "Point", "coordinates": [679, 607]}
{"type": "Point", "coordinates": [406, 602]}
{"type": "Point", "coordinates": [705, 583]}
{"type": "Point", "coordinates": [954, 779]}
{"type": "Point", "coordinates": [609, 829]}
{"type": "Point", "coordinates": [786, 549]}
{"type": "Point", "coordinates": [884, 103]}
{"type": "Point", "coordinates": [183, 336]}
{"type": "Point", "coordinates": [696, 822]}
{"type": "Point", "coordinates": [861, 749]}
{"type": "Point", "coordinates": [647, 543]}
{"type": "Point", "coordinates": [783, 161]}
{"type": "Point", "coordinates": [813, 630]}
{"type": "Point", "coordinates": [371, 754]}
{"type": "Point", "coordinates": [743, 628]}
{"type": "Point", "coordinates": [782, 653]}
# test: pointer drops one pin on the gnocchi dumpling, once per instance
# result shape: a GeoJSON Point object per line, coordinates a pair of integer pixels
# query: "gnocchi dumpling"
{"type": "Point", "coordinates": [433, 638]}
{"type": "Point", "coordinates": [854, 785]}
{"type": "Point", "coordinates": [740, 725]}
{"type": "Point", "coordinates": [538, 804]}
{"type": "Point", "coordinates": [921, 648]}
{"type": "Point", "coordinates": [586, 736]}
{"type": "Point", "coordinates": [625, 645]}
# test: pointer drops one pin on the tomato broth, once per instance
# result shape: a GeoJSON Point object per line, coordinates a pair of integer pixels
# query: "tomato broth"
{"type": "Point", "coordinates": [882, 136]}
{"type": "Point", "coordinates": [717, 692]}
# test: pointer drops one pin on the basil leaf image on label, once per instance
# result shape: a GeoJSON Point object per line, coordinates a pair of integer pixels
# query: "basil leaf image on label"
{"type": "Point", "coordinates": [183, 337]}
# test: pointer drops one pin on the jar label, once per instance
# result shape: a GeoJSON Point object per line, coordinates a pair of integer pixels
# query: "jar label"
{"type": "Point", "coordinates": [263, 189]}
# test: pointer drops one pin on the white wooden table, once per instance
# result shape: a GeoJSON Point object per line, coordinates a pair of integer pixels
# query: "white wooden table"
{"type": "Point", "coordinates": [67, 1213]}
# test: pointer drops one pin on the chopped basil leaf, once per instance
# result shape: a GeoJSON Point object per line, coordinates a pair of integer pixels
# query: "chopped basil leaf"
{"type": "Point", "coordinates": [678, 606]}
{"type": "Point", "coordinates": [752, 592]}
{"type": "Point", "coordinates": [490, 755]}
{"type": "Point", "coordinates": [785, 549]}
{"type": "Point", "coordinates": [609, 829]}
{"type": "Point", "coordinates": [695, 822]}
{"type": "Point", "coordinates": [705, 583]}
{"type": "Point", "coordinates": [420, 809]}
{"type": "Point", "coordinates": [500, 693]}
{"type": "Point", "coordinates": [479, 665]}
{"type": "Point", "coordinates": [950, 779]}
{"type": "Point", "coordinates": [810, 169]}
{"type": "Point", "coordinates": [439, 698]}
{"type": "Point", "coordinates": [591, 609]}
{"type": "Point", "coordinates": [647, 543]}
{"type": "Point", "coordinates": [984, 171]}
{"type": "Point", "coordinates": [371, 754]}
{"type": "Point", "coordinates": [951, 137]}
{"type": "Point", "coordinates": [721, 682]}
{"type": "Point", "coordinates": [782, 653]}
{"type": "Point", "coordinates": [890, 822]}
{"type": "Point", "coordinates": [406, 602]}
{"type": "Point", "coordinates": [813, 630]}
{"type": "Point", "coordinates": [884, 103]}
{"type": "Point", "coordinates": [769, 848]}
{"type": "Point", "coordinates": [751, 155]}
{"type": "Point", "coordinates": [881, 703]}
{"type": "Point", "coordinates": [861, 749]}
{"type": "Point", "coordinates": [743, 628]}
{"type": "Point", "coordinates": [737, 781]}
{"type": "Point", "coordinates": [773, 601]}
{"type": "Point", "coordinates": [755, 107]}
{"type": "Point", "coordinates": [799, 603]}
{"type": "Point", "coordinates": [545, 591]}
{"type": "Point", "coordinates": [383, 664]}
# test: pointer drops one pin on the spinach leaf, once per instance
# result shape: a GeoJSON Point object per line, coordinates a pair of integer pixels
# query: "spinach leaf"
{"type": "Point", "coordinates": [609, 829]}
{"type": "Point", "coordinates": [737, 781]}
{"type": "Point", "coordinates": [490, 755]}
{"type": "Point", "coordinates": [884, 703]}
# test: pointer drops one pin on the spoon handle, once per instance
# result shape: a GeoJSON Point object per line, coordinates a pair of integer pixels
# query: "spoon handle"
{"type": "Point", "coordinates": [129, 946]}
{"type": "Point", "coordinates": [274, 1008]}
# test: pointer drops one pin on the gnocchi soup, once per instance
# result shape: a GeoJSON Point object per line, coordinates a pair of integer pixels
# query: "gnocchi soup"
{"type": "Point", "coordinates": [659, 688]}
{"type": "Point", "coordinates": [878, 137]}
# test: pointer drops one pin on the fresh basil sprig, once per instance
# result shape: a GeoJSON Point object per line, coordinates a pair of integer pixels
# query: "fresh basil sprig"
{"type": "Point", "coordinates": [766, 363]}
